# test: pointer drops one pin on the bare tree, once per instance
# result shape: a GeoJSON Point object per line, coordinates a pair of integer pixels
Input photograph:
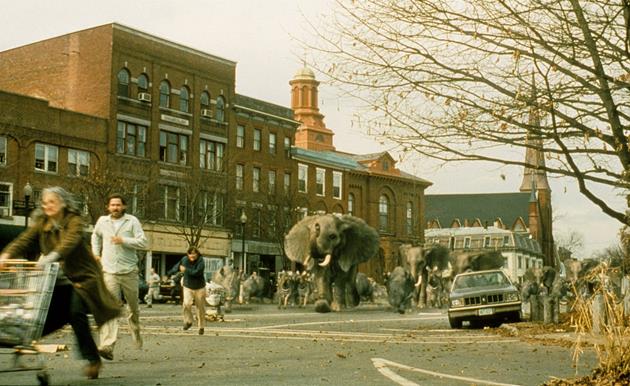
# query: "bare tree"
{"type": "Point", "coordinates": [569, 243]}
{"type": "Point", "coordinates": [476, 80]}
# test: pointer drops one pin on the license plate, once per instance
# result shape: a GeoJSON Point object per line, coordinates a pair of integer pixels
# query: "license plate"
{"type": "Point", "coordinates": [486, 311]}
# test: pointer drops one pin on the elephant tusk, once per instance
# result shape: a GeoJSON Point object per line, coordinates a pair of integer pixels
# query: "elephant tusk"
{"type": "Point", "coordinates": [307, 261]}
{"type": "Point", "coordinates": [418, 282]}
{"type": "Point", "coordinates": [326, 261]}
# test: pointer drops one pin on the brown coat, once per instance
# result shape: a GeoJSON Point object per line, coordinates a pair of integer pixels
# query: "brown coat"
{"type": "Point", "coordinates": [76, 261]}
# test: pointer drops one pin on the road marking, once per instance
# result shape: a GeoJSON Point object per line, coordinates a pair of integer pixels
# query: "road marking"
{"type": "Point", "coordinates": [352, 321]}
{"type": "Point", "coordinates": [383, 366]}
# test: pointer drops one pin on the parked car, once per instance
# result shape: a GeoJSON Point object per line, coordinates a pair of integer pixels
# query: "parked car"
{"type": "Point", "coordinates": [483, 298]}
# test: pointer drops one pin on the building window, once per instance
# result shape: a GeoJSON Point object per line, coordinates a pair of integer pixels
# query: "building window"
{"type": "Point", "coordinates": [143, 83]}
{"type": "Point", "coordinates": [383, 213]}
{"type": "Point", "coordinates": [257, 135]}
{"type": "Point", "coordinates": [409, 218]}
{"type": "Point", "coordinates": [272, 182]}
{"type": "Point", "coordinates": [255, 180]}
{"type": "Point", "coordinates": [486, 241]}
{"type": "Point", "coordinates": [78, 163]}
{"type": "Point", "coordinates": [220, 116]}
{"type": "Point", "coordinates": [135, 204]}
{"type": "Point", "coordinates": [336, 188]}
{"type": "Point", "coordinates": [184, 96]}
{"type": "Point", "coordinates": [385, 165]}
{"type": "Point", "coordinates": [240, 136]}
{"type": "Point", "coordinates": [170, 198]}
{"type": "Point", "coordinates": [506, 241]}
{"type": "Point", "coordinates": [165, 94]}
{"type": "Point", "coordinates": [256, 229]}
{"type": "Point", "coordinates": [320, 181]}
{"type": "Point", "coordinates": [287, 147]}
{"type": "Point", "coordinates": [287, 183]}
{"type": "Point", "coordinates": [451, 243]}
{"type": "Point", "coordinates": [123, 83]}
{"type": "Point", "coordinates": [210, 208]}
{"type": "Point", "coordinates": [351, 204]}
{"type": "Point", "coordinates": [204, 101]}
{"type": "Point", "coordinates": [466, 242]}
{"type": "Point", "coordinates": [46, 157]}
{"type": "Point", "coordinates": [211, 155]}
{"type": "Point", "coordinates": [131, 139]}
{"type": "Point", "coordinates": [272, 143]}
{"type": "Point", "coordinates": [239, 177]}
{"type": "Point", "coordinates": [272, 225]}
{"type": "Point", "coordinates": [5, 199]}
{"type": "Point", "coordinates": [173, 147]}
{"type": "Point", "coordinates": [3, 151]}
{"type": "Point", "coordinates": [302, 177]}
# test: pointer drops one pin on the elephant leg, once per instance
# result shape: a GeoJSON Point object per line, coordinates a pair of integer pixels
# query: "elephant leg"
{"type": "Point", "coordinates": [324, 296]}
{"type": "Point", "coordinates": [352, 294]}
{"type": "Point", "coordinates": [422, 298]}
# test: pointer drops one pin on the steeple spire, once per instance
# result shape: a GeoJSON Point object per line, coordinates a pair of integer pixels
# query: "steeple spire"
{"type": "Point", "coordinates": [534, 150]}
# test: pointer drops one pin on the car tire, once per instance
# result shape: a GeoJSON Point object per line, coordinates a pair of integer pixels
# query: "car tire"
{"type": "Point", "coordinates": [455, 322]}
{"type": "Point", "coordinates": [515, 317]}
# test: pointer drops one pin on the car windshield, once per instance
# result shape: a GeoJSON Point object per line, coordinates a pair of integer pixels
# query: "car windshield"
{"type": "Point", "coordinates": [480, 280]}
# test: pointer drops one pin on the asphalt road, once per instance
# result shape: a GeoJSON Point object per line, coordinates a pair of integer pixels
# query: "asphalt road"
{"type": "Point", "coordinates": [261, 345]}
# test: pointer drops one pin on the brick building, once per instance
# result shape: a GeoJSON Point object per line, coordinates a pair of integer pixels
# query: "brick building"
{"type": "Point", "coordinates": [114, 108]}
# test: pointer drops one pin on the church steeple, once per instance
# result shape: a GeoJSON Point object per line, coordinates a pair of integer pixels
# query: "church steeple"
{"type": "Point", "coordinates": [534, 154]}
{"type": "Point", "coordinates": [312, 134]}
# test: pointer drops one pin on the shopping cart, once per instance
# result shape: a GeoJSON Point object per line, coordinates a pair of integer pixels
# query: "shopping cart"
{"type": "Point", "coordinates": [25, 293]}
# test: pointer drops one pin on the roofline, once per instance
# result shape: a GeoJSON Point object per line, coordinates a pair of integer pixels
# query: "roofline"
{"type": "Point", "coordinates": [170, 43]}
{"type": "Point", "coordinates": [292, 121]}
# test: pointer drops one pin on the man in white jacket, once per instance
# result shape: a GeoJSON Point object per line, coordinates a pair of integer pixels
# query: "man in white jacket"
{"type": "Point", "coordinates": [115, 241]}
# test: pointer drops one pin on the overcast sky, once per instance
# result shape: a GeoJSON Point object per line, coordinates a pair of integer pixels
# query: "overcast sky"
{"type": "Point", "coordinates": [259, 36]}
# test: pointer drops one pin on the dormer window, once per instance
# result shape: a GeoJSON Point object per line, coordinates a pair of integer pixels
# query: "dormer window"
{"type": "Point", "coordinates": [385, 165]}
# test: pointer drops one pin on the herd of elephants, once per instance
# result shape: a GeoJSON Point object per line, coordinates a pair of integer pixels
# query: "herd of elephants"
{"type": "Point", "coordinates": [330, 248]}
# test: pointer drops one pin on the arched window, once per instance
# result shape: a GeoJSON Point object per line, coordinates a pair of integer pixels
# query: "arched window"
{"type": "Point", "coordinates": [123, 83]}
{"type": "Point", "coordinates": [143, 83]}
{"type": "Point", "coordinates": [220, 116]}
{"type": "Point", "coordinates": [383, 213]}
{"type": "Point", "coordinates": [204, 100]}
{"type": "Point", "coordinates": [165, 94]}
{"type": "Point", "coordinates": [409, 218]}
{"type": "Point", "coordinates": [183, 99]}
{"type": "Point", "coordinates": [351, 204]}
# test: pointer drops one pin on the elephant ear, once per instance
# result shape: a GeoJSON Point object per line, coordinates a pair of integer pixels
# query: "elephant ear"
{"type": "Point", "coordinates": [297, 243]}
{"type": "Point", "coordinates": [438, 256]}
{"type": "Point", "coordinates": [360, 242]}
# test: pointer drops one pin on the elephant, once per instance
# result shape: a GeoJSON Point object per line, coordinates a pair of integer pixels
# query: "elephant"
{"type": "Point", "coordinates": [253, 286]}
{"type": "Point", "coordinates": [475, 261]}
{"type": "Point", "coordinates": [365, 287]}
{"type": "Point", "coordinates": [331, 248]}
{"type": "Point", "coordinates": [425, 265]}
{"type": "Point", "coordinates": [400, 289]}
{"type": "Point", "coordinates": [230, 279]}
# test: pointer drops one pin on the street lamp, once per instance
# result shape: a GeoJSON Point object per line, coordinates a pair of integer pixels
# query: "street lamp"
{"type": "Point", "coordinates": [28, 192]}
{"type": "Point", "coordinates": [243, 257]}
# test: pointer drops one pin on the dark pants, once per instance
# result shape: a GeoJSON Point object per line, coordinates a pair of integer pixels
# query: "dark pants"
{"type": "Point", "coordinates": [66, 306]}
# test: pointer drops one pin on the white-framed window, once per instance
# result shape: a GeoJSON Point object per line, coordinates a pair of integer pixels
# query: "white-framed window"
{"type": "Point", "coordinates": [173, 147]}
{"type": "Point", "coordinates": [210, 207]}
{"type": "Point", "coordinates": [184, 99]}
{"type": "Point", "coordinates": [272, 181]}
{"type": "Point", "coordinates": [466, 242]}
{"type": "Point", "coordinates": [239, 176]}
{"type": "Point", "coordinates": [220, 109]}
{"type": "Point", "coordinates": [78, 163]}
{"type": "Point", "coordinates": [211, 155]}
{"type": "Point", "coordinates": [272, 143]}
{"type": "Point", "coordinates": [383, 213]}
{"type": "Point", "coordinates": [506, 241]}
{"type": "Point", "coordinates": [240, 136]}
{"type": "Point", "coordinates": [5, 199]}
{"type": "Point", "coordinates": [165, 94]}
{"type": "Point", "coordinates": [170, 196]}
{"type": "Point", "coordinates": [287, 183]}
{"type": "Point", "coordinates": [131, 139]}
{"type": "Point", "coordinates": [302, 177]}
{"type": "Point", "coordinates": [409, 218]}
{"type": "Point", "coordinates": [3, 151]}
{"type": "Point", "coordinates": [136, 200]}
{"type": "Point", "coordinates": [257, 136]}
{"type": "Point", "coordinates": [320, 181]}
{"type": "Point", "coordinates": [46, 157]}
{"type": "Point", "coordinates": [123, 82]}
{"type": "Point", "coordinates": [486, 241]}
{"type": "Point", "coordinates": [337, 182]}
{"type": "Point", "coordinates": [255, 180]}
{"type": "Point", "coordinates": [351, 204]}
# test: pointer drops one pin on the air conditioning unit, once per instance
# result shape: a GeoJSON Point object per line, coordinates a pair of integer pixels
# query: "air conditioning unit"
{"type": "Point", "coordinates": [206, 113]}
{"type": "Point", "coordinates": [144, 97]}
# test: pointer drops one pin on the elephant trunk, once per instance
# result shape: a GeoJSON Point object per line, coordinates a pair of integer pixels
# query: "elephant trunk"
{"type": "Point", "coordinates": [326, 261]}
